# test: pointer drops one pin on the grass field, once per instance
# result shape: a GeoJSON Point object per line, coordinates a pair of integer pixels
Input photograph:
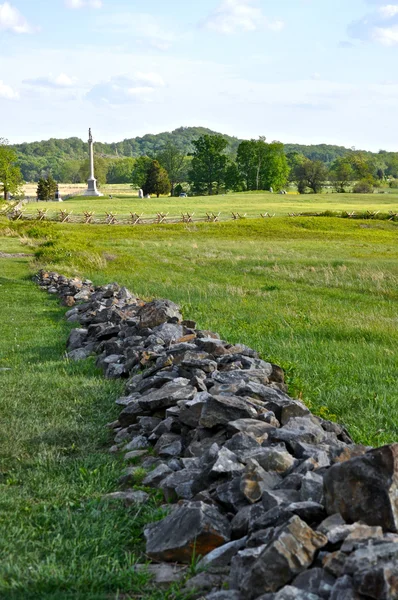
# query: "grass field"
{"type": "Point", "coordinates": [318, 296]}
{"type": "Point", "coordinates": [252, 203]}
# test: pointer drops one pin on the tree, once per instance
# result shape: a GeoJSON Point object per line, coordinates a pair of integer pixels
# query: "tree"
{"type": "Point", "coordinates": [261, 165]}
{"type": "Point", "coordinates": [46, 189]}
{"type": "Point", "coordinates": [10, 174]}
{"type": "Point", "coordinates": [310, 174]}
{"type": "Point", "coordinates": [101, 166]}
{"type": "Point", "coordinates": [157, 181]}
{"type": "Point", "coordinates": [140, 171]}
{"type": "Point", "coordinates": [174, 161]}
{"type": "Point", "coordinates": [121, 170]}
{"type": "Point", "coordinates": [209, 163]}
{"type": "Point", "coordinates": [341, 174]}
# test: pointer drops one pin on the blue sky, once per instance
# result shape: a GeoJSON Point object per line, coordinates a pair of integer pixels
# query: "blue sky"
{"type": "Point", "coordinates": [306, 71]}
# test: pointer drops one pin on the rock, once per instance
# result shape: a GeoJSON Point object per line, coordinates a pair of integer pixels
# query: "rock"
{"type": "Point", "coordinates": [169, 332]}
{"type": "Point", "coordinates": [272, 498]}
{"type": "Point", "coordinates": [242, 445]}
{"type": "Point", "coordinates": [343, 589]}
{"type": "Point", "coordinates": [138, 443]}
{"type": "Point", "coordinates": [353, 451]}
{"type": "Point", "coordinates": [291, 552]}
{"type": "Point", "coordinates": [222, 556]}
{"type": "Point", "coordinates": [255, 480]}
{"type": "Point", "coordinates": [380, 582]}
{"type": "Point", "coordinates": [80, 353]}
{"type": "Point", "coordinates": [204, 582]}
{"type": "Point", "coordinates": [77, 339]}
{"type": "Point", "coordinates": [229, 495]}
{"type": "Point", "coordinates": [155, 477]}
{"type": "Point", "coordinates": [163, 575]}
{"type": "Point", "coordinates": [293, 593]}
{"type": "Point", "coordinates": [158, 312]}
{"type": "Point", "coordinates": [360, 536]}
{"type": "Point", "coordinates": [178, 485]}
{"type": "Point", "coordinates": [191, 410]}
{"type": "Point", "coordinates": [276, 458]}
{"type": "Point", "coordinates": [334, 563]}
{"type": "Point", "coordinates": [225, 595]}
{"type": "Point", "coordinates": [195, 527]}
{"type": "Point", "coordinates": [312, 488]}
{"type": "Point", "coordinates": [316, 581]}
{"type": "Point", "coordinates": [226, 464]}
{"type": "Point", "coordinates": [370, 556]}
{"type": "Point", "coordinates": [258, 430]}
{"type": "Point", "coordinates": [129, 497]}
{"type": "Point", "coordinates": [169, 445]}
{"type": "Point", "coordinates": [168, 395]}
{"type": "Point", "coordinates": [335, 529]}
{"type": "Point", "coordinates": [364, 488]}
{"type": "Point", "coordinates": [220, 410]}
{"type": "Point", "coordinates": [130, 413]}
{"type": "Point", "coordinates": [299, 429]}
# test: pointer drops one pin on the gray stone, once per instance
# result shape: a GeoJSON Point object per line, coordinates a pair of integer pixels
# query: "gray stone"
{"type": "Point", "coordinates": [316, 581]}
{"type": "Point", "coordinates": [138, 443]}
{"type": "Point", "coordinates": [222, 556]}
{"type": "Point", "coordinates": [191, 410]}
{"type": "Point", "coordinates": [380, 582]}
{"type": "Point", "coordinates": [364, 488]}
{"type": "Point", "coordinates": [344, 589]}
{"type": "Point", "coordinates": [169, 445]}
{"type": "Point", "coordinates": [299, 429]}
{"type": "Point", "coordinates": [258, 430]}
{"type": "Point", "coordinates": [229, 494]}
{"type": "Point", "coordinates": [77, 338]}
{"type": "Point", "coordinates": [255, 481]}
{"type": "Point", "coordinates": [195, 527]}
{"type": "Point", "coordinates": [163, 575]}
{"type": "Point", "coordinates": [169, 332]}
{"type": "Point", "coordinates": [129, 497]}
{"type": "Point", "coordinates": [178, 485]}
{"type": "Point", "coordinates": [335, 529]}
{"type": "Point", "coordinates": [291, 552]}
{"type": "Point", "coordinates": [204, 582]}
{"type": "Point", "coordinates": [242, 445]}
{"type": "Point", "coordinates": [273, 498]}
{"type": "Point", "coordinates": [226, 464]}
{"type": "Point", "coordinates": [168, 395]}
{"type": "Point", "coordinates": [220, 410]}
{"type": "Point", "coordinates": [155, 477]}
{"type": "Point", "coordinates": [312, 488]}
{"type": "Point", "coordinates": [275, 458]}
{"type": "Point", "coordinates": [225, 595]}
{"type": "Point", "coordinates": [360, 536]}
{"type": "Point", "coordinates": [80, 353]}
{"type": "Point", "coordinates": [158, 312]}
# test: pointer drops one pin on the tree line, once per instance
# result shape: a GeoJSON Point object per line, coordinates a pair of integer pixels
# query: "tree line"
{"type": "Point", "coordinates": [210, 168]}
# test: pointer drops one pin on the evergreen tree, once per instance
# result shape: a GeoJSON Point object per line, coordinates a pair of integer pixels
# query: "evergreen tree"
{"type": "Point", "coordinates": [157, 181]}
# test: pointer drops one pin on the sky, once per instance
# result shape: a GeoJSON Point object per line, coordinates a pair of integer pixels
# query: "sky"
{"type": "Point", "coordinates": [298, 71]}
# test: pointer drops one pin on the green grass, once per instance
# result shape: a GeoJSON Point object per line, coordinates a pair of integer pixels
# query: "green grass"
{"type": "Point", "coordinates": [252, 203]}
{"type": "Point", "coordinates": [316, 295]}
{"type": "Point", "coordinates": [58, 540]}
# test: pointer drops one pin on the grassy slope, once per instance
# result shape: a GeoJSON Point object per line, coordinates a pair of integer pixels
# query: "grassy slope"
{"type": "Point", "coordinates": [318, 296]}
{"type": "Point", "coordinates": [250, 203]}
{"type": "Point", "coordinates": [57, 540]}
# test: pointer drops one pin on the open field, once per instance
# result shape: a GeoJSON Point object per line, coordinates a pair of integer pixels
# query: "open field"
{"type": "Point", "coordinates": [317, 296]}
{"type": "Point", "coordinates": [58, 540]}
{"type": "Point", "coordinates": [251, 203]}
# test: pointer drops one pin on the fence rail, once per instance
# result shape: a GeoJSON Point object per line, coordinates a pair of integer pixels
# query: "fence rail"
{"type": "Point", "coordinates": [16, 212]}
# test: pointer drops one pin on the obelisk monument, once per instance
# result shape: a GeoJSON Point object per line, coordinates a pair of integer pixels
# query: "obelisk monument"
{"type": "Point", "coordinates": [91, 182]}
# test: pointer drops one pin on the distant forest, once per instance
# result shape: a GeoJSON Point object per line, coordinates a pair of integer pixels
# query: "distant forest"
{"type": "Point", "coordinates": [64, 159]}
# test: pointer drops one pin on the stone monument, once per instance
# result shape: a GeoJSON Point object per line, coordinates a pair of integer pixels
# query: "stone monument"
{"type": "Point", "coordinates": [91, 182]}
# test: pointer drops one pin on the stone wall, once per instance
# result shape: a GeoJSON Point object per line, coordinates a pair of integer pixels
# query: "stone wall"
{"type": "Point", "coordinates": [272, 502]}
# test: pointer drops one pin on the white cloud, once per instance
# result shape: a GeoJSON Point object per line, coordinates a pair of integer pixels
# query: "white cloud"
{"type": "Point", "coordinates": [83, 3]}
{"type": "Point", "coordinates": [59, 81]}
{"type": "Point", "coordinates": [389, 11]}
{"type": "Point", "coordinates": [143, 26]}
{"type": "Point", "coordinates": [7, 92]}
{"type": "Point", "coordinates": [387, 36]}
{"type": "Point", "coordinates": [12, 20]}
{"type": "Point", "coordinates": [124, 90]}
{"type": "Point", "coordinates": [233, 16]}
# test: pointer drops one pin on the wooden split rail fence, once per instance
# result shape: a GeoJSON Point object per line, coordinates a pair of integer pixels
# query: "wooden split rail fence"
{"type": "Point", "coordinates": [16, 213]}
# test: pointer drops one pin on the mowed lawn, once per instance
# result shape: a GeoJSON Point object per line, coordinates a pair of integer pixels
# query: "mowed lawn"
{"type": "Point", "coordinates": [250, 203]}
{"type": "Point", "coordinates": [318, 296]}
{"type": "Point", "coordinates": [58, 540]}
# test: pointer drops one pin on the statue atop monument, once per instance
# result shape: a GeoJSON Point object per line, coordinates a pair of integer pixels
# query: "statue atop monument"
{"type": "Point", "coordinates": [91, 182]}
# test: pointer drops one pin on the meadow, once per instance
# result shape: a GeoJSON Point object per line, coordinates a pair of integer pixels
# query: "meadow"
{"type": "Point", "coordinates": [251, 203]}
{"type": "Point", "coordinates": [316, 295]}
